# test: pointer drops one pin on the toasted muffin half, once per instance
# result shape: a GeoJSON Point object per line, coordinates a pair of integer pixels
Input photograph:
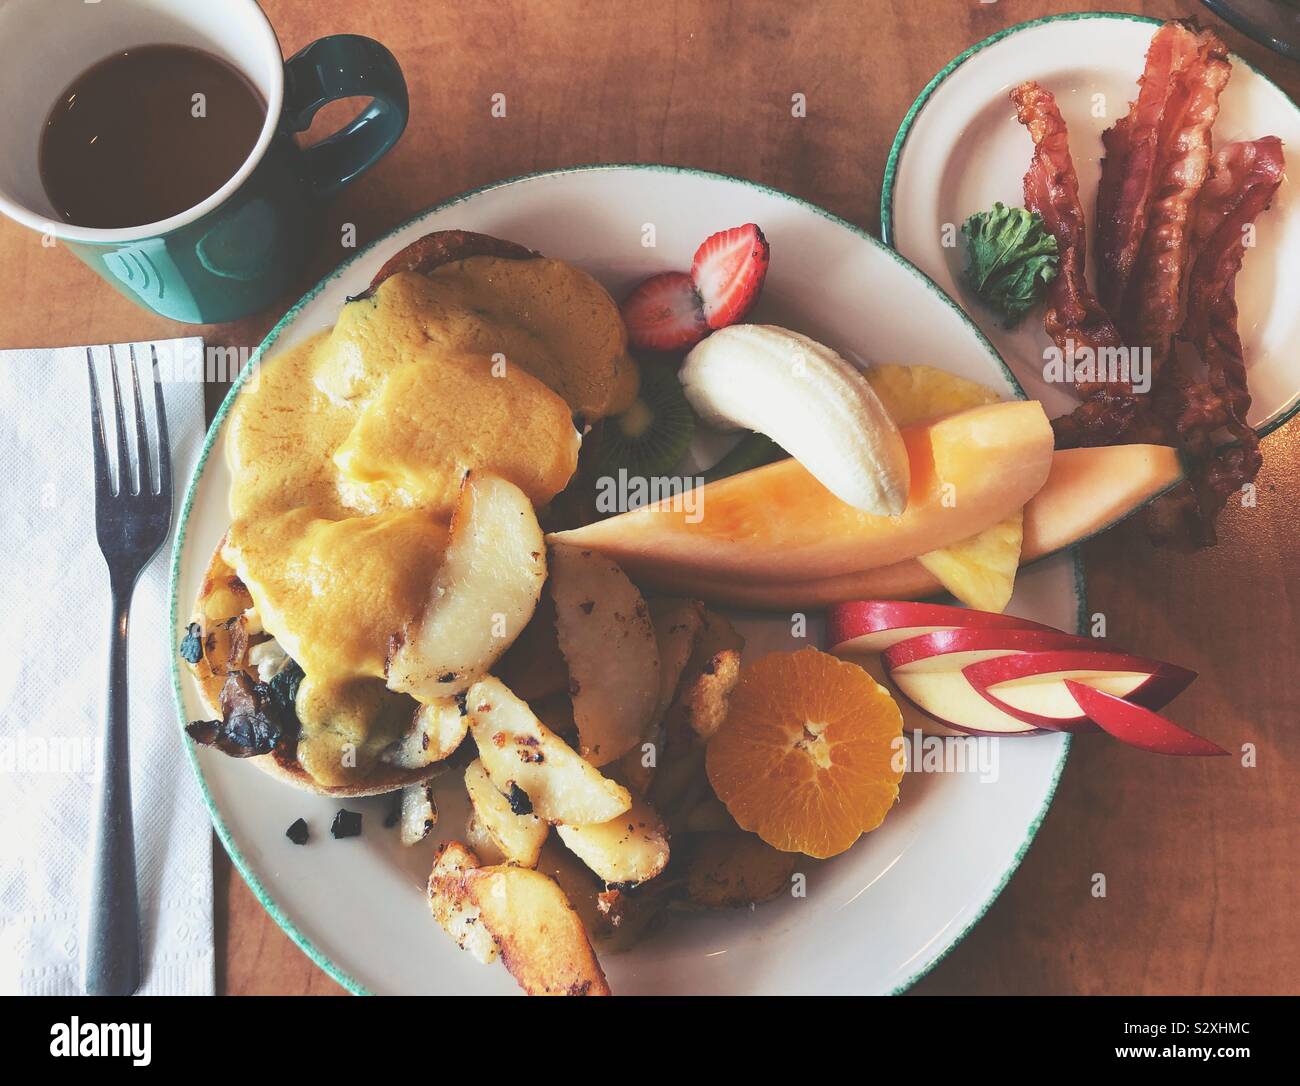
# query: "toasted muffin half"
{"type": "Point", "coordinates": [223, 601]}
{"type": "Point", "coordinates": [446, 247]}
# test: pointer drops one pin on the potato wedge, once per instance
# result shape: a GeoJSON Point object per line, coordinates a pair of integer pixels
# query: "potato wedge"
{"type": "Point", "coordinates": [539, 935]}
{"type": "Point", "coordinates": [695, 713]}
{"type": "Point", "coordinates": [729, 870]}
{"type": "Point", "coordinates": [507, 818]}
{"type": "Point", "coordinates": [680, 782]}
{"type": "Point", "coordinates": [628, 849]}
{"type": "Point", "coordinates": [483, 843]}
{"type": "Point", "coordinates": [437, 729]}
{"type": "Point", "coordinates": [678, 625]}
{"type": "Point", "coordinates": [708, 697]}
{"type": "Point", "coordinates": [532, 667]}
{"type": "Point", "coordinates": [450, 903]}
{"type": "Point", "coordinates": [482, 596]}
{"type": "Point", "coordinates": [616, 919]}
{"type": "Point", "coordinates": [718, 634]}
{"type": "Point", "coordinates": [579, 883]}
{"type": "Point", "coordinates": [606, 637]}
{"type": "Point", "coordinates": [519, 913]}
{"type": "Point", "coordinates": [637, 767]}
{"type": "Point", "coordinates": [556, 712]}
{"type": "Point", "coordinates": [418, 813]}
{"type": "Point", "coordinates": [630, 915]}
{"type": "Point", "coordinates": [709, 815]}
{"type": "Point", "coordinates": [515, 746]}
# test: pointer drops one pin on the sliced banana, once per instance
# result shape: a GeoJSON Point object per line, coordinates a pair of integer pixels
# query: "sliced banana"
{"type": "Point", "coordinates": [816, 405]}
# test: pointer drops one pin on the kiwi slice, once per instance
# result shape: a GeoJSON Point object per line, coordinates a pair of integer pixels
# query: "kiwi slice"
{"type": "Point", "coordinates": [650, 437]}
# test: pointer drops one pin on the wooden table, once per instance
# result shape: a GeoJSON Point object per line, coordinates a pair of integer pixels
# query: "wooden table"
{"type": "Point", "coordinates": [1199, 856]}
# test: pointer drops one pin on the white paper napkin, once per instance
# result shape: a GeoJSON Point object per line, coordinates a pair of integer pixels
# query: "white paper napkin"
{"type": "Point", "coordinates": [54, 627]}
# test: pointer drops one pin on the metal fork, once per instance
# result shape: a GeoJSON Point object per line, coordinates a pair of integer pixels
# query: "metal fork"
{"type": "Point", "coordinates": [131, 522]}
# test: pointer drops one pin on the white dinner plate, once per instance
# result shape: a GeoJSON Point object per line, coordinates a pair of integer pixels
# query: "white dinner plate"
{"type": "Point", "coordinates": [874, 919]}
{"type": "Point", "coordinates": [960, 149]}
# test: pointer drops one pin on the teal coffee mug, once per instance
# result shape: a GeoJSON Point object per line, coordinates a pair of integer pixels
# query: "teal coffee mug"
{"type": "Point", "coordinates": [241, 248]}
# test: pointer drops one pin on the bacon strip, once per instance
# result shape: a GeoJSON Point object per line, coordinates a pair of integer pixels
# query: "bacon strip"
{"type": "Point", "coordinates": [1110, 416]}
{"type": "Point", "coordinates": [1074, 318]}
{"type": "Point", "coordinates": [1128, 172]}
{"type": "Point", "coordinates": [1243, 179]}
{"type": "Point", "coordinates": [1153, 305]}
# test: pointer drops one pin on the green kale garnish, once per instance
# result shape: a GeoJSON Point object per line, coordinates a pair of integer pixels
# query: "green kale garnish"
{"type": "Point", "coordinates": [192, 644]}
{"type": "Point", "coordinates": [1010, 258]}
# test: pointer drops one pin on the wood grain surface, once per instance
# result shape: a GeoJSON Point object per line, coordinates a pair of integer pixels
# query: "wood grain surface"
{"type": "Point", "coordinates": [1199, 855]}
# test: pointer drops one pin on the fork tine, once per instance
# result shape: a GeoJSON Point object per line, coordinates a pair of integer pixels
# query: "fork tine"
{"type": "Point", "coordinates": [123, 457]}
{"type": "Point", "coordinates": [103, 477]}
{"type": "Point", "coordinates": [143, 474]}
{"type": "Point", "coordinates": [164, 447]}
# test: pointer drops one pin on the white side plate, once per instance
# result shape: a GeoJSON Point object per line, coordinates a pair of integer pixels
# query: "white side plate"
{"type": "Point", "coordinates": [960, 149]}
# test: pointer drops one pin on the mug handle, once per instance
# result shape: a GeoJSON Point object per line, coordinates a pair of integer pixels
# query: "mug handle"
{"type": "Point", "coordinates": [344, 66]}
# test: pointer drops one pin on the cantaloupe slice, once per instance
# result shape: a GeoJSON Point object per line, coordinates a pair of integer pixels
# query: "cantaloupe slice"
{"type": "Point", "coordinates": [1087, 491]}
{"type": "Point", "coordinates": [969, 470]}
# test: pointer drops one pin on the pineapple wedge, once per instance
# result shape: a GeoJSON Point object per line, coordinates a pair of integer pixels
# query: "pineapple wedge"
{"type": "Point", "coordinates": [913, 394]}
{"type": "Point", "coordinates": [980, 571]}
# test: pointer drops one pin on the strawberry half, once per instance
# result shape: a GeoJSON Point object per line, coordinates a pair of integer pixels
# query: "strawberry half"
{"type": "Point", "coordinates": [664, 314]}
{"type": "Point", "coordinates": [728, 271]}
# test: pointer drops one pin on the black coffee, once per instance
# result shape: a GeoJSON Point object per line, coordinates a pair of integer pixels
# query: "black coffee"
{"type": "Point", "coordinates": [146, 134]}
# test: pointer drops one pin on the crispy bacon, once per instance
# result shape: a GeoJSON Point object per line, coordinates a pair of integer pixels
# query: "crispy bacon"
{"type": "Point", "coordinates": [1169, 218]}
{"type": "Point", "coordinates": [1074, 318]}
{"type": "Point", "coordinates": [1243, 179]}
{"type": "Point", "coordinates": [1110, 416]}
{"type": "Point", "coordinates": [1129, 170]}
{"type": "Point", "coordinates": [1153, 304]}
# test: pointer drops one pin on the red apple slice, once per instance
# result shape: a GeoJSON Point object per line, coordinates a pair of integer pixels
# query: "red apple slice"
{"type": "Point", "coordinates": [1137, 726]}
{"type": "Point", "coordinates": [875, 625]}
{"type": "Point", "coordinates": [913, 719]}
{"type": "Point", "coordinates": [927, 670]}
{"type": "Point", "coordinates": [1031, 686]}
{"type": "Point", "coordinates": [948, 698]}
{"type": "Point", "coordinates": [951, 650]}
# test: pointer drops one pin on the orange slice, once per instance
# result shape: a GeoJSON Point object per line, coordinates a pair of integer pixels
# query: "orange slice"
{"type": "Point", "coordinates": [809, 757]}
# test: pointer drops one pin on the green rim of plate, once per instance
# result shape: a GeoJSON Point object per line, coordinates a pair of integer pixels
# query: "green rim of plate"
{"type": "Point", "coordinates": [263, 895]}
{"type": "Point", "coordinates": [1287, 411]}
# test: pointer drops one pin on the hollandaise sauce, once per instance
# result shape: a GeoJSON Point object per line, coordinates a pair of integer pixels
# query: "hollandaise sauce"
{"type": "Point", "coordinates": [347, 453]}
